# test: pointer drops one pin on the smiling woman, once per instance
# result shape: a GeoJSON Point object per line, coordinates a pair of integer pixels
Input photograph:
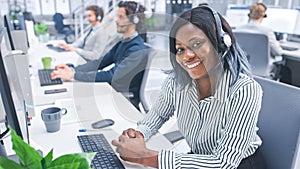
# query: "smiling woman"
{"type": "Point", "coordinates": [194, 52]}
{"type": "Point", "coordinates": [216, 100]}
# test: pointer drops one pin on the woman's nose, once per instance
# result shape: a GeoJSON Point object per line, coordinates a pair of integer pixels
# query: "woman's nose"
{"type": "Point", "coordinates": [189, 54]}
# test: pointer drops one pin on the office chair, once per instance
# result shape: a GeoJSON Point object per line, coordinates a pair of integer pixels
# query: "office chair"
{"type": "Point", "coordinates": [279, 124]}
{"type": "Point", "coordinates": [61, 28]}
{"type": "Point", "coordinates": [257, 48]}
{"type": "Point", "coordinates": [143, 99]}
{"type": "Point", "coordinates": [150, 90]}
{"type": "Point", "coordinates": [28, 16]}
{"type": "Point", "coordinates": [152, 80]}
{"type": "Point", "coordinates": [129, 82]}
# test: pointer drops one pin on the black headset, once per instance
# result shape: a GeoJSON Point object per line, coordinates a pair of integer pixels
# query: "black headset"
{"type": "Point", "coordinates": [224, 40]}
{"type": "Point", "coordinates": [136, 19]}
{"type": "Point", "coordinates": [98, 11]}
{"type": "Point", "coordinates": [264, 15]}
{"type": "Point", "coordinates": [261, 4]}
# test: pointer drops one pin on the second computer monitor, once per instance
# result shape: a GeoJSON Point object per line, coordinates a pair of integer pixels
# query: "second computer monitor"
{"type": "Point", "coordinates": [297, 27]}
{"type": "Point", "coordinates": [281, 20]}
{"type": "Point", "coordinates": [237, 16]}
{"type": "Point", "coordinates": [11, 98]}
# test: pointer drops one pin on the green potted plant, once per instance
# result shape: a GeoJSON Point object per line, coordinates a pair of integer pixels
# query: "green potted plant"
{"type": "Point", "coordinates": [42, 31]}
{"type": "Point", "coordinates": [29, 158]}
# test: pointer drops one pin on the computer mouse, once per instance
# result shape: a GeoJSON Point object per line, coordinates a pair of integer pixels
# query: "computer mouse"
{"type": "Point", "coordinates": [50, 45]}
{"type": "Point", "coordinates": [70, 64]}
{"type": "Point", "coordinates": [102, 123]}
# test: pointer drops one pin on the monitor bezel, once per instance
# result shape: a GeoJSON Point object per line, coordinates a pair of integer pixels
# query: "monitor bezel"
{"type": "Point", "coordinates": [9, 28]}
{"type": "Point", "coordinates": [7, 100]}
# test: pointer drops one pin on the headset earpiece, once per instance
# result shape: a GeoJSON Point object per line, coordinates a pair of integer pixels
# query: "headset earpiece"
{"type": "Point", "coordinates": [224, 39]}
{"type": "Point", "coordinates": [136, 19]}
{"type": "Point", "coordinates": [98, 17]}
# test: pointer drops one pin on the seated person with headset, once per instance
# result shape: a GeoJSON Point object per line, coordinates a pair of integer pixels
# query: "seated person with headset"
{"type": "Point", "coordinates": [129, 57]}
{"type": "Point", "coordinates": [216, 100]}
{"type": "Point", "coordinates": [93, 43]}
{"type": "Point", "coordinates": [256, 16]}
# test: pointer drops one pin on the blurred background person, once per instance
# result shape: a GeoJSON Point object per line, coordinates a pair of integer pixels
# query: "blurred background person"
{"type": "Point", "coordinates": [93, 43]}
{"type": "Point", "coordinates": [128, 57]}
{"type": "Point", "coordinates": [256, 16]}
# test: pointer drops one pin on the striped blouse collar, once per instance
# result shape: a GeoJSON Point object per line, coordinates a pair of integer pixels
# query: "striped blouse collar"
{"type": "Point", "coordinates": [222, 91]}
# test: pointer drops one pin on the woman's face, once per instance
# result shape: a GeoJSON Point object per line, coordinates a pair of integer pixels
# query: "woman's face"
{"type": "Point", "coordinates": [194, 51]}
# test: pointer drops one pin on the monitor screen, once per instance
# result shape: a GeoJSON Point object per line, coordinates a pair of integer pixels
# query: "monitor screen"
{"type": "Point", "coordinates": [237, 16]}
{"type": "Point", "coordinates": [297, 27]}
{"type": "Point", "coordinates": [281, 20]}
{"type": "Point", "coordinates": [17, 69]}
{"type": "Point", "coordinates": [12, 100]}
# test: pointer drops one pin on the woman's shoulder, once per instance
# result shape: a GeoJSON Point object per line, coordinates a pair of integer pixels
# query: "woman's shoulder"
{"type": "Point", "coordinates": [245, 81]}
{"type": "Point", "coordinates": [169, 81]}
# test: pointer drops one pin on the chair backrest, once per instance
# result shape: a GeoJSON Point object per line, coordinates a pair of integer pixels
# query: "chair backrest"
{"type": "Point", "coordinates": [143, 98]}
{"type": "Point", "coordinates": [28, 16]}
{"type": "Point", "coordinates": [279, 123]}
{"type": "Point", "coordinates": [257, 48]}
{"type": "Point", "coordinates": [152, 81]}
{"type": "Point", "coordinates": [58, 22]}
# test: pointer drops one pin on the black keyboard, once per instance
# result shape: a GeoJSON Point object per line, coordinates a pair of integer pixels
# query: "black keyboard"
{"type": "Point", "coordinates": [289, 48]}
{"type": "Point", "coordinates": [56, 48]}
{"type": "Point", "coordinates": [105, 157]}
{"type": "Point", "coordinates": [45, 80]}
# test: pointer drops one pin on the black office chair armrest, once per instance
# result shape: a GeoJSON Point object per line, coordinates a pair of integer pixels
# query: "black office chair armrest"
{"type": "Point", "coordinates": [128, 94]}
{"type": "Point", "coordinates": [174, 136]}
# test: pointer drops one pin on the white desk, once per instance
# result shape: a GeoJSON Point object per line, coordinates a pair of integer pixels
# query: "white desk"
{"type": "Point", "coordinates": [293, 55]}
{"type": "Point", "coordinates": [35, 54]}
{"type": "Point", "coordinates": [92, 102]}
{"type": "Point", "coordinates": [106, 103]}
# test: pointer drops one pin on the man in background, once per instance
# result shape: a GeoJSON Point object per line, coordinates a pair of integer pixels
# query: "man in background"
{"type": "Point", "coordinates": [127, 59]}
{"type": "Point", "coordinates": [93, 43]}
{"type": "Point", "coordinates": [256, 16]}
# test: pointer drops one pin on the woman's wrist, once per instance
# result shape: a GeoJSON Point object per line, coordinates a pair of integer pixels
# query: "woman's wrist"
{"type": "Point", "coordinates": [150, 158]}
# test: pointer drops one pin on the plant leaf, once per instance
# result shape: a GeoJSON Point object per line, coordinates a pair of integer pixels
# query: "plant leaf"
{"type": "Point", "coordinates": [74, 165]}
{"type": "Point", "coordinates": [70, 159]}
{"type": "Point", "coordinates": [41, 28]}
{"type": "Point", "coordinates": [9, 164]}
{"type": "Point", "coordinates": [88, 156]}
{"type": "Point", "coordinates": [28, 157]}
{"type": "Point", "coordinates": [48, 159]}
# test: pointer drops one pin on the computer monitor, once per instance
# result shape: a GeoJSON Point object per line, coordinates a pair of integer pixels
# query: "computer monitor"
{"type": "Point", "coordinates": [17, 69]}
{"type": "Point", "coordinates": [9, 28]}
{"type": "Point", "coordinates": [297, 27]}
{"type": "Point", "coordinates": [281, 20]}
{"type": "Point", "coordinates": [12, 101]}
{"type": "Point", "coordinates": [18, 66]}
{"type": "Point", "coordinates": [237, 16]}
{"type": "Point", "coordinates": [20, 36]}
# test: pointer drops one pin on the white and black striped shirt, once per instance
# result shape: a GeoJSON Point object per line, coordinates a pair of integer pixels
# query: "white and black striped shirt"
{"type": "Point", "coordinates": [221, 129]}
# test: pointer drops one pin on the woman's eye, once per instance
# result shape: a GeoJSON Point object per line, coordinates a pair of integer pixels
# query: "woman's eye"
{"type": "Point", "coordinates": [196, 45]}
{"type": "Point", "coordinates": [179, 50]}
